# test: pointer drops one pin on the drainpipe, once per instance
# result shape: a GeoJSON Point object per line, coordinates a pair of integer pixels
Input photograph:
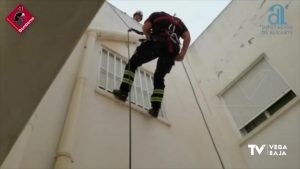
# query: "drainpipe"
{"type": "Point", "coordinates": [64, 157]}
{"type": "Point", "coordinates": [105, 34]}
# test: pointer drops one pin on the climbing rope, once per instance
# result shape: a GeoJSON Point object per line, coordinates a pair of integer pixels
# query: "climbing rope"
{"type": "Point", "coordinates": [129, 93]}
{"type": "Point", "coordinates": [204, 119]}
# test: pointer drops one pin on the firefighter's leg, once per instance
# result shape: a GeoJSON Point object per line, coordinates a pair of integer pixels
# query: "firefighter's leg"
{"type": "Point", "coordinates": [144, 53]}
{"type": "Point", "coordinates": [164, 66]}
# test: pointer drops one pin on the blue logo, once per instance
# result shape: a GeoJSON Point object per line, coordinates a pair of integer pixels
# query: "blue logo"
{"type": "Point", "coordinates": [277, 15]}
{"type": "Point", "coordinates": [277, 24]}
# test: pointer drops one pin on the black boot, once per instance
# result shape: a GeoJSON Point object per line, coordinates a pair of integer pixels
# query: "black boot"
{"type": "Point", "coordinates": [153, 112]}
{"type": "Point", "coordinates": [120, 95]}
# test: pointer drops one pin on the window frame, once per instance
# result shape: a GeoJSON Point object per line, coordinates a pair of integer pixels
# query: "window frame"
{"type": "Point", "coordinates": [139, 83]}
{"type": "Point", "coordinates": [264, 112]}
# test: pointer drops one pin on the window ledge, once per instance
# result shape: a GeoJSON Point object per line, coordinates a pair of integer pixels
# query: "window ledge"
{"type": "Point", "coordinates": [269, 121]}
{"type": "Point", "coordinates": [133, 106]}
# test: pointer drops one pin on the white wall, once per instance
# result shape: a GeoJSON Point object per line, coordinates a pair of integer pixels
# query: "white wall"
{"type": "Point", "coordinates": [222, 52]}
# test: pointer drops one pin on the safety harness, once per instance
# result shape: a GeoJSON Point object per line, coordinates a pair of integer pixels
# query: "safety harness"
{"type": "Point", "coordinates": [169, 32]}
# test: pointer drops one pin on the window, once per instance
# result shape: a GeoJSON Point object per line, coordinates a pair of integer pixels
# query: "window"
{"type": "Point", "coordinates": [111, 74]}
{"type": "Point", "coordinates": [255, 97]}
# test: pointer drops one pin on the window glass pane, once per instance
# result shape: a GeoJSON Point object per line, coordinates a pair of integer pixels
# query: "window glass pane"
{"type": "Point", "coordinates": [150, 84]}
{"type": "Point", "coordinates": [102, 79]}
{"type": "Point", "coordinates": [147, 100]}
{"type": "Point", "coordinates": [110, 78]}
{"type": "Point", "coordinates": [104, 60]}
{"type": "Point", "coordinates": [118, 82]}
{"type": "Point", "coordinates": [103, 69]}
{"type": "Point", "coordinates": [110, 84]}
{"type": "Point", "coordinates": [118, 67]}
{"type": "Point", "coordinates": [139, 88]}
{"type": "Point", "coordinates": [133, 98]}
{"type": "Point", "coordinates": [111, 63]}
{"type": "Point", "coordinates": [118, 75]}
{"type": "Point", "coordinates": [143, 78]}
{"type": "Point", "coordinates": [123, 67]}
{"type": "Point", "coordinates": [139, 96]}
{"type": "Point", "coordinates": [137, 79]}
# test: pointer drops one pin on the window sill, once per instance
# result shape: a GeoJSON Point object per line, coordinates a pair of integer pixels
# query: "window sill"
{"type": "Point", "coordinates": [269, 121]}
{"type": "Point", "coordinates": [133, 106]}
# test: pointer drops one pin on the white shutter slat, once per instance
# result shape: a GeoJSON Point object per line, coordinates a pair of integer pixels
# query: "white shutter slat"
{"type": "Point", "coordinates": [253, 93]}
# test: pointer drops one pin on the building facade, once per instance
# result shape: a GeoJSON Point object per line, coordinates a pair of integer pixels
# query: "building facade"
{"type": "Point", "coordinates": [246, 67]}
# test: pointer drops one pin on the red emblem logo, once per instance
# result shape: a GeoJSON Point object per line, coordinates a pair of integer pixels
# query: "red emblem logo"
{"type": "Point", "coordinates": [20, 18]}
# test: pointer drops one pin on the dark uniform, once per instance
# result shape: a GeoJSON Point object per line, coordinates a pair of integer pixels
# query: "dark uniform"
{"type": "Point", "coordinates": [164, 45]}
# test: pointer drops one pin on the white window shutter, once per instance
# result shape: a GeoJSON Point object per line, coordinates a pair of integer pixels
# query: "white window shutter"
{"type": "Point", "coordinates": [254, 92]}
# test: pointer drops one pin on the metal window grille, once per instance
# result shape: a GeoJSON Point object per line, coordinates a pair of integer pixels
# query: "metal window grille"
{"type": "Point", "coordinates": [111, 73]}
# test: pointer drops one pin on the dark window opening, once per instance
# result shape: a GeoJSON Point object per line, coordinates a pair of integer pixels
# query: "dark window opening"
{"type": "Point", "coordinates": [254, 123]}
{"type": "Point", "coordinates": [269, 112]}
{"type": "Point", "coordinates": [281, 102]}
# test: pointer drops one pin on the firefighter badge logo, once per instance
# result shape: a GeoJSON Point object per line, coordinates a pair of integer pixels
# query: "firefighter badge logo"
{"type": "Point", "coordinates": [20, 18]}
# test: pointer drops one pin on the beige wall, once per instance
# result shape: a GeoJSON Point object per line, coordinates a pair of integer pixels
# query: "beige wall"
{"type": "Point", "coordinates": [36, 146]}
{"type": "Point", "coordinates": [102, 131]}
{"type": "Point", "coordinates": [15, 157]}
{"type": "Point", "coordinates": [28, 70]}
{"type": "Point", "coordinates": [222, 52]}
{"type": "Point", "coordinates": [284, 130]}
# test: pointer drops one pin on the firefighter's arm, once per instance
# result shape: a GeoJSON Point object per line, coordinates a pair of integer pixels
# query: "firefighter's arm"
{"type": "Point", "coordinates": [186, 42]}
{"type": "Point", "coordinates": [147, 29]}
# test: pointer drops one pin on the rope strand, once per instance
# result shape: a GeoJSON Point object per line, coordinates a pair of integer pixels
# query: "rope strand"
{"type": "Point", "coordinates": [199, 107]}
{"type": "Point", "coordinates": [129, 98]}
{"type": "Point", "coordinates": [129, 93]}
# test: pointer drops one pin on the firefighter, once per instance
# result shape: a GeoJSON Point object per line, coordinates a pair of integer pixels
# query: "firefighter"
{"type": "Point", "coordinates": [138, 16]}
{"type": "Point", "coordinates": [163, 33]}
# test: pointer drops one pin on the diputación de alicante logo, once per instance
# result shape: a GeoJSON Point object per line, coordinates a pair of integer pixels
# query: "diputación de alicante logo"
{"type": "Point", "coordinates": [20, 18]}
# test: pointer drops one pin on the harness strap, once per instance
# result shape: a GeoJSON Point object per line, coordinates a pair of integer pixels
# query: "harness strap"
{"type": "Point", "coordinates": [170, 44]}
{"type": "Point", "coordinates": [167, 34]}
{"type": "Point", "coordinates": [170, 18]}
